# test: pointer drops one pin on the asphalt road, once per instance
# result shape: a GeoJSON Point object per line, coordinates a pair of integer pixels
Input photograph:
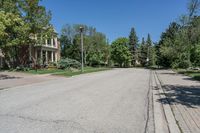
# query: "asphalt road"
{"type": "Point", "coordinates": [113, 101]}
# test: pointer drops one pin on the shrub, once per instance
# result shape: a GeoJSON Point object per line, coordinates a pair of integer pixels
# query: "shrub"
{"type": "Point", "coordinates": [181, 64]}
{"type": "Point", "coordinates": [22, 68]}
{"type": "Point", "coordinates": [68, 63]}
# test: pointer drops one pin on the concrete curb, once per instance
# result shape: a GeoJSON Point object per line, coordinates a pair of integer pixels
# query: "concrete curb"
{"type": "Point", "coordinates": [170, 119]}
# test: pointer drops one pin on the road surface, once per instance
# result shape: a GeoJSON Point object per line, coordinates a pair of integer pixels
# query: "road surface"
{"type": "Point", "coordinates": [113, 101]}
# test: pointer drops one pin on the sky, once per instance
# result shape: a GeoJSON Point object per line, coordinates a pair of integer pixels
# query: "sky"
{"type": "Point", "coordinates": [115, 18]}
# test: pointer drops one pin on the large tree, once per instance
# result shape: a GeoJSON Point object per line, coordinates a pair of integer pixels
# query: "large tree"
{"type": "Point", "coordinates": [13, 35]}
{"type": "Point", "coordinates": [34, 17]}
{"type": "Point", "coordinates": [120, 53]}
{"type": "Point", "coordinates": [143, 53]}
{"type": "Point", "coordinates": [133, 44]}
{"type": "Point", "coordinates": [149, 51]}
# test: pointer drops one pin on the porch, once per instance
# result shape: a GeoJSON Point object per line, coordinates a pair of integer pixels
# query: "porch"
{"type": "Point", "coordinates": [45, 55]}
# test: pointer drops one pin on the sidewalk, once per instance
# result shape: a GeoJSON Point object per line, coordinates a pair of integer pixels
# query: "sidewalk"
{"type": "Point", "coordinates": [13, 79]}
{"type": "Point", "coordinates": [183, 95]}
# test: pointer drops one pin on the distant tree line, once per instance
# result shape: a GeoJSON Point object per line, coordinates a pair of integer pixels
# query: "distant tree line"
{"type": "Point", "coordinates": [122, 52]}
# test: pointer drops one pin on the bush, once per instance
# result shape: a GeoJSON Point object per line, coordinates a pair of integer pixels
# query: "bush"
{"type": "Point", "coordinates": [68, 63]}
{"type": "Point", "coordinates": [181, 64]}
{"type": "Point", "coordinates": [22, 68]}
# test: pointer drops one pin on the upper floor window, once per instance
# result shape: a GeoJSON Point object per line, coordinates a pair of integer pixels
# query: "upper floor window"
{"type": "Point", "coordinates": [54, 42]}
{"type": "Point", "coordinates": [48, 41]}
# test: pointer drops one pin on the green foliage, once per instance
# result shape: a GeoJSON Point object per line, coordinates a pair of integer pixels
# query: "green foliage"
{"type": "Point", "coordinates": [147, 52]}
{"type": "Point", "coordinates": [120, 53]}
{"type": "Point", "coordinates": [143, 53]}
{"type": "Point", "coordinates": [179, 44]}
{"type": "Point", "coordinates": [68, 63]}
{"type": "Point", "coordinates": [133, 44]}
{"type": "Point", "coordinates": [96, 49]}
{"type": "Point", "coordinates": [20, 22]}
{"type": "Point", "coordinates": [13, 30]}
{"type": "Point", "coordinates": [167, 47]}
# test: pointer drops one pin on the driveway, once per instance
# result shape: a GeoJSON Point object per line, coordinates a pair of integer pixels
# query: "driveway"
{"type": "Point", "coordinates": [112, 101]}
{"type": "Point", "coordinates": [13, 79]}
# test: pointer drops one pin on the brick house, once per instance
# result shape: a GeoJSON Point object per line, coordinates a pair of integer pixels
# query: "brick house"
{"type": "Point", "coordinates": [43, 53]}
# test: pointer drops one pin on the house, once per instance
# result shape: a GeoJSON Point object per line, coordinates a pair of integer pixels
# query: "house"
{"type": "Point", "coordinates": [46, 52]}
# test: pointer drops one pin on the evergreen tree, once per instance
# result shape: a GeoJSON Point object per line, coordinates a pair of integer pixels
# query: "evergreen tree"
{"type": "Point", "coordinates": [133, 44]}
{"type": "Point", "coordinates": [149, 51]}
{"type": "Point", "coordinates": [143, 53]}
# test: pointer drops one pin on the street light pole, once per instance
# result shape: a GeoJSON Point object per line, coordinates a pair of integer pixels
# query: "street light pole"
{"type": "Point", "coordinates": [81, 31]}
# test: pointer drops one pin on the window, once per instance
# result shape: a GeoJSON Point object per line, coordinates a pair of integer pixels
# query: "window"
{"type": "Point", "coordinates": [48, 41]}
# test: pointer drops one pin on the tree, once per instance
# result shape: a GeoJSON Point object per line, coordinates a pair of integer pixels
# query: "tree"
{"type": "Point", "coordinates": [133, 44]}
{"type": "Point", "coordinates": [13, 35]}
{"type": "Point", "coordinates": [120, 53]}
{"type": "Point", "coordinates": [11, 6]}
{"type": "Point", "coordinates": [167, 45]}
{"type": "Point", "coordinates": [149, 50]}
{"type": "Point", "coordinates": [193, 7]}
{"type": "Point", "coordinates": [96, 49]}
{"type": "Point", "coordinates": [143, 53]}
{"type": "Point", "coordinates": [34, 20]}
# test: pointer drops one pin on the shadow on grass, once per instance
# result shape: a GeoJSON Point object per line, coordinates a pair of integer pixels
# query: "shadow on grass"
{"type": "Point", "coordinates": [189, 72]}
{"type": "Point", "coordinates": [196, 77]}
{"type": "Point", "coordinates": [185, 95]}
{"type": "Point", "coordinates": [4, 77]}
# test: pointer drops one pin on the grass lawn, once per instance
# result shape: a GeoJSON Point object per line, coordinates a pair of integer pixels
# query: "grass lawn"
{"type": "Point", "coordinates": [195, 74]}
{"type": "Point", "coordinates": [67, 72]}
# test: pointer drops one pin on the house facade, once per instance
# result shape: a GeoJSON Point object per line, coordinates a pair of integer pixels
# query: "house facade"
{"type": "Point", "coordinates": [42, 53]}
{"type": "Point", "coordinates": [45, 53]}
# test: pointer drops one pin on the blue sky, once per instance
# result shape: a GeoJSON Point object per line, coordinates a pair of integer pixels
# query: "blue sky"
{"type": "Point", "coordinates": [116, 17]}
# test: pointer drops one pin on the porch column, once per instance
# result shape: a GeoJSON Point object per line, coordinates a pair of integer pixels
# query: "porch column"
{"type": "Point", "coordinates": [46, 56]}
{"type": "Point", "coordinates": [56, 42]}
{"type": "Point", "coordinates": [41, 55]}
{"type": "Point", "coordinates": [52, 54]}
{"type": "Point", "coordinates": [46, 41]}
{"type": "Point", "coordinates": [52, 41]}
{"type": "Point", "coordinates": [30, 52]}
{"type": "Point", "coordinates": [56, 58]}
{"type": "Point", "coordinates": [36, 55]}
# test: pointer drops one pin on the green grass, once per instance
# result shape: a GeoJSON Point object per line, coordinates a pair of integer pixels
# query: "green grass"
{"type": "Point", "coordinates": [195, 74]}
{"type": "Point", "coordinates": [45, 71]}
{"type": "Point", "coordinates": [86, 70]}
{"type": "Point", "coordinates": [67, 72]}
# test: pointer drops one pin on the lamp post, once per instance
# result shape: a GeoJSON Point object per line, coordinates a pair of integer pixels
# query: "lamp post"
{"type": "Point", "coordinates": [81, 31]}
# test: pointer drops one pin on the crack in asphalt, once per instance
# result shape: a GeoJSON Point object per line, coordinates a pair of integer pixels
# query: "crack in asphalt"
{"type": "Point", "coordinates": [71, 123]}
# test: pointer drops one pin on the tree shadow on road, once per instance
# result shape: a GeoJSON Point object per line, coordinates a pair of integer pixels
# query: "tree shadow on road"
{"type": "Point", "coordinates": [5, 77]}
{"type": "Point", "coordinates": [185, 95]}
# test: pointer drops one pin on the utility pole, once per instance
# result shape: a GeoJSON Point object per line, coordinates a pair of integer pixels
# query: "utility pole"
{"type": "Point", "coordinates": [81, 31]}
